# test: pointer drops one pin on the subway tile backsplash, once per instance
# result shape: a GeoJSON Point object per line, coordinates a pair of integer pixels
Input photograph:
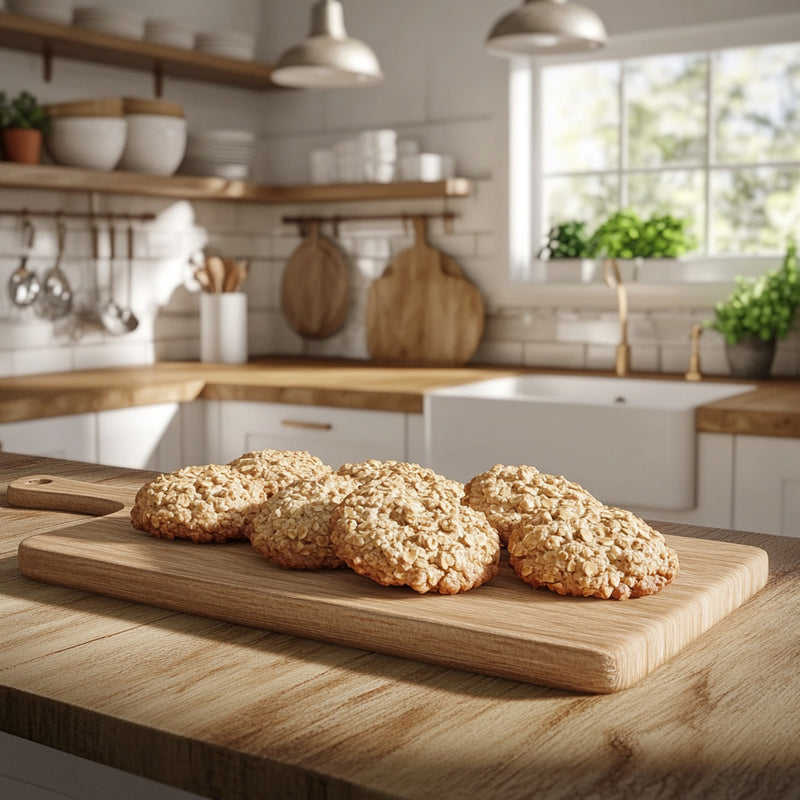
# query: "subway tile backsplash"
{"type": "Point", "coordinates": [165, 296]}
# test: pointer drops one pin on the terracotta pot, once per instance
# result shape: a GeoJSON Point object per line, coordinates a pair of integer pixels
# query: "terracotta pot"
{"type": "Point", "coordinates": [23, 145]}
{"type": "Point", "coordinates": [751, 357]}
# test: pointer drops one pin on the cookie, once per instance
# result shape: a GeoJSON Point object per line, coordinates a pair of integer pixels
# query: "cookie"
{"type": "Point", "coordinates": [409, 528]}
{"type": "Point", "coordinates": [505, 494]}
{"type": "Point", "coordinates": [293, 527]}
{"type": "Point", "coordinates": [414, 475]}
{"type": "Point", "coordinates": [210, 503]}
{"type": "Point", "coordinates": [278, 468]}
{"type": "Point", "coordinates": [596, 551]}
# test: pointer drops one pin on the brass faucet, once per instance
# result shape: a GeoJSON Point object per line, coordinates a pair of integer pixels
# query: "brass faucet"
{"type": "Point", "coordinates": [622, 365]}
{"type": "Point", "coordinates": [694, 373]}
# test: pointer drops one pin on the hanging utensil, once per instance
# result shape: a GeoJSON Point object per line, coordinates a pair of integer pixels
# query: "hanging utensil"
{"type": "Point", "coordinates": [109, 312]}
{"type": "Point", "coordinates": [55, 299]}
{"type": "Point", "coordinates": [128, 318]}
{"type": "Point", "coordinates": [23, 285]}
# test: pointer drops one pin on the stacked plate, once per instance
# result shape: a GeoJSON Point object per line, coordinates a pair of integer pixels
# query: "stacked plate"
{"type": "Point", "coordinates": [169, 32]}
{"type": "Point", "coordinates": [231, 44]}
{"type": "Point", "coordinates": [59, 11]}
{"type": "Point", "coordinates": [223, 154]}
{"type": "Point", "coordinates": [116, 21]}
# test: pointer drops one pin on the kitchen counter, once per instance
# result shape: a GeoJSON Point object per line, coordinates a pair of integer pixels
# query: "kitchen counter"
{"type": "Point", "coordinates": [232, 712]}
{"type": "Point", "coordinates": [772, 409]}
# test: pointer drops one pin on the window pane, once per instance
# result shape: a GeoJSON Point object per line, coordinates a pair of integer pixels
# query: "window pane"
{"type": "Point", "coordinates": [590, 198]}
{"type": "Point", "coordinates": [676, 192]}
{"type": "Point", "coordinates": [757, 104]}
{"type": "Point", "coordinates": [666, 110]}
{"type": "Point", "coordinates": [754, 209]}
{"type": "Point", "coordinates": [581, 117]}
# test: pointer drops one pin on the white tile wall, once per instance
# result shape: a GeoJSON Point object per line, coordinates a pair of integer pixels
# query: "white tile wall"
{"type": "Point", "coordinates": [441, 89]}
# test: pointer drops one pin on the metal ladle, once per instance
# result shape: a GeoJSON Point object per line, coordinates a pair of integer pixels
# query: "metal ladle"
{"type": "Point", "coordinates": [109, 312]}
{"type": "Point", "coordinates": [129, 319]}
{"type": "Point", "coordinates": [23, 285]}
{"type": "Point", "coordinates": [55, 299]}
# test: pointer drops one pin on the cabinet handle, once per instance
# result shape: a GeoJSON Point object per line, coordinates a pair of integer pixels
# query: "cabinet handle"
{"type": "Point", "coordinates": [315, 426]}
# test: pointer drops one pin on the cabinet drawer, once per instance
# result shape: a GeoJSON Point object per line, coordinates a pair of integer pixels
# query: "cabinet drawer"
{"type": "Point", "coordinates": [335, 435]}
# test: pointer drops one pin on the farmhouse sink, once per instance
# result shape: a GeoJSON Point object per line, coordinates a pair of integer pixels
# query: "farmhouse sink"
{"type": "Point", "coordinates": [631, 442]}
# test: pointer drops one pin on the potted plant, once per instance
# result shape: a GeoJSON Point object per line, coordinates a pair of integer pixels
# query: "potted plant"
{"type": "Point", "coordinates": [22, 123]}
{"type": "Point", "coordinates": [757, 313]}
{"type": "Point", "coordinates": [625, 235]}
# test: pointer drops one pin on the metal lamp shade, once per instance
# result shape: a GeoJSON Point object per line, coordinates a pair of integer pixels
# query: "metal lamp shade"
{"type": "Point", "coordinates": [328, 58]}
{"type": "Point", "coordinates": [546, 26]}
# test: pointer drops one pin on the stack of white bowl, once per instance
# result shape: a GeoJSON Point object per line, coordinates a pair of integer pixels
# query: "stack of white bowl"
{"type": "Point", "coordinates": [231, 44]}
{"type": "Point", "coordinates": [156, 140]}
{"type": "Point", "coordinates": [169, 32]}
{"type": "Point", "coordinates": [378, 152]}
{"type": "Point", "coordinates": [116, 21]}
{"type": "Point", "coordinates": [59, 11]}
{"type": "Point", "coordinates": [87, 133]}
{"type": "Point", "coordinates": [222, 153]}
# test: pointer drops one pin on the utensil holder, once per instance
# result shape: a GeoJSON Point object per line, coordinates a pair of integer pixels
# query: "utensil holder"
{"type": "Point", "coordinates": [223, 327]}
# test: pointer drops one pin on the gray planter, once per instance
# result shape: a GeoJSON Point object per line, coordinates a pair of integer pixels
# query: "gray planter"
{"type": "Point", "coordinates": [750, 358]}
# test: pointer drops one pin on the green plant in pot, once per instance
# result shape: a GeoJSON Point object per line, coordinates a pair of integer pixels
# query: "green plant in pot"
{"type": "Point", "coordinates": [569, 239]}
{"type": "Point", "coordinates": [758, 313]}
{"type": "Point", "coordinates": [22, 123]}
{"type": "Point", "coordinates": [627, 235]}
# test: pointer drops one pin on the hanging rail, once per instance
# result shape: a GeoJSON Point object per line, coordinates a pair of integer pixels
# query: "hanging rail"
{"type": "Point", "coordinates": [336, 219]}
{"type": "Point", "coordinates": [109, 215]}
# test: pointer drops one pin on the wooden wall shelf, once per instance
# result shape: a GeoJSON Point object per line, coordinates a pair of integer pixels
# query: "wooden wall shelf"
{"type": "Point", "coordinates": [66, 41]}
{"type": "Point", "coordinates": [186, 187]}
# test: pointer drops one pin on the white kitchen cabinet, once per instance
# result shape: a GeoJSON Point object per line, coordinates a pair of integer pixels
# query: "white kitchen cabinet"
{"type": "Point", "coordinates": [767, 485]}
{"type": "Point", "coordinates": [161, 437]}
{"type": "Point", "coordinates": [72, 436]}
{"type": "Point", "coordinates": [336, 435]}
{"type": "Point", "coordinates": [714, 499]}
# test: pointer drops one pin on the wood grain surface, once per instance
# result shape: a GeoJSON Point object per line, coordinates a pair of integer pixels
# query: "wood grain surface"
{"type": "Point", "coordinates": [422, 310]}
{"type": "Point", "coordinates": [773, 409]}
{"type": "Point", "coordinates": [315, 286]}
{"type": "Point", "coordinates": [503, 628]}
{"type": "Point", "coordinates": [235, 712]}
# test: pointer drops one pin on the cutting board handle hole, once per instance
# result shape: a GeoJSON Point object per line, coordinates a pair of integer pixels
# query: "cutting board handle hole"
{"type": "Point", "coordinates": [40, 481]}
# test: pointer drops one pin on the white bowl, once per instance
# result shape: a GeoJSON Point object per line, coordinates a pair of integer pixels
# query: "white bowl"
{"type": "Point", "coordinates": [169, 32]}
{"type": "Point", "coordinates": [232, 44]}
{"type": "Point", "coordinates": [116, 21]}
{"type": "Point", "coordinates": [88, 142]}
{"type": "Point", "coordinates": [59, 11]}
{"type": "Point", "coordinates": [155, 144]}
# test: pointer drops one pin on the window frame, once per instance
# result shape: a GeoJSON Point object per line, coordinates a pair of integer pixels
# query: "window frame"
{"type": "Point", "coordinates": [525, 176]}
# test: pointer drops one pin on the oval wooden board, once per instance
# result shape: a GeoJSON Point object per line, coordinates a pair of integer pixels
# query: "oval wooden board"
{"type": "Point", "coordinates": [422, 310]}
{"type": "Point", "coordinates": [314, 288]}
{"type": "Point", "coordinates": [503, 628]}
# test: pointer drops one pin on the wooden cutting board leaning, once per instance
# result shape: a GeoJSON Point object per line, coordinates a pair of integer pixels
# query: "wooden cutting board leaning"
{"type": "Point", "coordinates": [503, 628]}
{"type": "Point", "coordinates": [422, 310]}
{"type": "Point", "coordinates": [315, 285]}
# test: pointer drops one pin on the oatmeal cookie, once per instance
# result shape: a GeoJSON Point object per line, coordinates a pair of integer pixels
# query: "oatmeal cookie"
{"type": "Point", "coordinates": [293, 527]}
{"type": "Point", "coordinates": [508, 493]}
{"type": "Point", "coordinates": [408, 528]}
{"type": "Point", "coordinates": [415, 476]}
{"type": "Point", "coordinates": [210, 503]}
{"type": "Point", "coordinates": [598, 551]}
{"type": "Point", "coordinates": [279, 468]}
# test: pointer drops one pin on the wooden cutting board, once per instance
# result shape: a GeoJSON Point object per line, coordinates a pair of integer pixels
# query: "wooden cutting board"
{"type": "Point", "coordinates": [314, 287]}
{"type": "Point", "coordinates": [422, 310]}
{"type": "Point", "coordinates": [503, 628]}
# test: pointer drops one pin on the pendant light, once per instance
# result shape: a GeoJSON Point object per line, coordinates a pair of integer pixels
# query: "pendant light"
{"type": "Point", "coordinates": [546, 26]}
{"type": "Point", "coordinates": [328, 58]}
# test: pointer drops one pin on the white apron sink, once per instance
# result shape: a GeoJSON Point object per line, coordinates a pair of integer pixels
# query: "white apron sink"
{"type": "Point", "coordinates": [631, 442]}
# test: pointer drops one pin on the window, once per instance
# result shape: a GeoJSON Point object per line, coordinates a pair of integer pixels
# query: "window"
{"type": "Point", "coordinates": [711, 134]}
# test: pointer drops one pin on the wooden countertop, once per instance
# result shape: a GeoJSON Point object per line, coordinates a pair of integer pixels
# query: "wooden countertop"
{"type": "Point", "coordinates": [772, 409]}
{"type": "Point", "coordinates": [232, 712]}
